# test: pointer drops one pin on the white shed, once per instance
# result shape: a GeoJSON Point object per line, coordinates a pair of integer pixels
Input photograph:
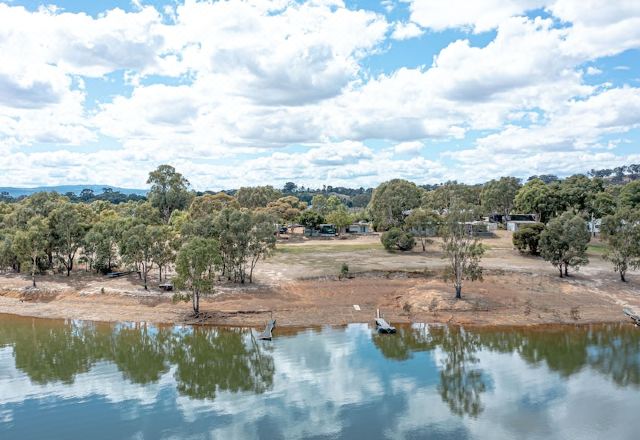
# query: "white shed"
{"type": "Point", "coordinates": [515, 225]}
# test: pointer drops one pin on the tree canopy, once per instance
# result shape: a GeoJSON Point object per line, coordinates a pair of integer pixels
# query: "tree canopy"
{"type": "Point", "coordinates": [390, 202]}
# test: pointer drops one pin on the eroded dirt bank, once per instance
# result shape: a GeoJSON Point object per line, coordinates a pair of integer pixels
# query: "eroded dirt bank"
{"type": "Point", "coordinates": [503, 298]}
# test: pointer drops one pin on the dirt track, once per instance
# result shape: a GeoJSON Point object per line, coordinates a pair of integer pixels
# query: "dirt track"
{"type": "Point", "coordinates": [299, 286]}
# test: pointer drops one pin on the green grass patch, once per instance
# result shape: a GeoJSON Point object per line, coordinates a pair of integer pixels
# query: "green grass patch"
{"type": "Point", "coordinates": [597, 248]}
{"type": "Point", "coordinates": [327, 248]}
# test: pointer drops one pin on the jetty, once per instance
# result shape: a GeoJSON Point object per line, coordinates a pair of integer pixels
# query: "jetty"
{"type": "Point", "coordinates": [634, 316]}
{"type": "Point", "coordinates": [382, 325]}
{"type": "Point", "coordinates": [268, 330]}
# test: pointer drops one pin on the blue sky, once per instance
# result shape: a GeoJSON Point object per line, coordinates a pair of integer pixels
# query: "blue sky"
{"type": "Point", "coordinates": [318, 92]}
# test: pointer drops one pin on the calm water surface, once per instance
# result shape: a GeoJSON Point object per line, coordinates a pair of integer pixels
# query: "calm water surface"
{"type": "Point", "coordinates": [82, 380]}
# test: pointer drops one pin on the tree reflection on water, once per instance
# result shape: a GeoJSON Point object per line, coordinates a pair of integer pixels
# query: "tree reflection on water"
{"type": "Point", "coordinates": [461, 382]}
{"type": "Point", "coordinates": [612, 350]}
{"type": "Point", "coordinates": [206, 360]}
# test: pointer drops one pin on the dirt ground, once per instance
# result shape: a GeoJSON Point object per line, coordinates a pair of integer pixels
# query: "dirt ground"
{"type": "Point", "coordinates": [299, 286]}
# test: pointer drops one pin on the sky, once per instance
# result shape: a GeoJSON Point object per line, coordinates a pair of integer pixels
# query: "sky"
{"type": "Point", "coordinates": [319, 92]}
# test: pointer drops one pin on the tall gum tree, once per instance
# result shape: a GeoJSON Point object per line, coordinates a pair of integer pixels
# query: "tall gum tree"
{"type": "Point", "coordinates": [461, 248]}
{"type": "Point", "coordinates": [622, 233]}
{"type": "Point", "coordinates": [169, 191]}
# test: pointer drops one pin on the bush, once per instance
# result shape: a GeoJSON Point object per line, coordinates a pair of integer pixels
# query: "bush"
{"type": "Point", "coordinates": [396, 238]}
{"type": "Point", "coordinates": [344, 271]}
{"type": "Point", "coordinates": [527, 238]}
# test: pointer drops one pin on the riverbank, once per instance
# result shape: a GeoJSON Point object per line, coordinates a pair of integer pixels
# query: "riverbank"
{"type": "Point", "coordinates": [299, 286]}
{"type": "Point", "coordinates": [503, 298]}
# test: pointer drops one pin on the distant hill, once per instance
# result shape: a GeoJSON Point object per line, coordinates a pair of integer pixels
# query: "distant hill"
{"type": "Point", "coordinates": [62, 189]}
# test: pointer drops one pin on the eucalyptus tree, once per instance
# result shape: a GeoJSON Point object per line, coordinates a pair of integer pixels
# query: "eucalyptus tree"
{"type": "Point", "coordinates": [310, 219]}
{"type": "Point", "coordinates": [286, 209]}
{"type": "Point", "coordinates": [630, 195]}
{"type": "Point", "coordinates": [30, 243]}
{"type": "Point", "coordinates": [101, 241]}
{"type": "Point", "coordinates": [564, 242]}
{"type": "Point", "coordinates": [499, 195]}
{"type": "Point", "coordinates": [423, 224]}
{"type": "Point", "coordinates": [622, 233]}
{"type": "Point", "coordinates": [601, 205]}
{"type": "Point", "coordinates": [8, 257]}
{"type": "Point", "coordinates": [461, 248]}
{"type": "Point", "coordinates": [539, 198]}
{"type": "Point", "coordinates": [578, 192]}
{"type": "Point", "coordinates": [69, 225]}
{"type": "Point", "coordinates": [39, 204]}
{"type": "Point", "coordinates": [324, 205]}
{"type": "Point", "coordinates": [262, 240]}
{"type": "Point", "coordinates": [451, 194]}
{"type": "Point", "coordinates": [145, 246]}
{"type": "Point", "coordinates": [257, 196]}
{"type": "Point", "coordinates": [195, 270]}
{"type": "Point", "coordinates": [204, 205]}
{"type": "Point", "coordinates": [163, 247]}
{"type": "Point", "coordinates": [390, 202]}
{"type": "Point", "coordinates": [169, 191]}
{"type": "Point", "coordinates": [340, 217]}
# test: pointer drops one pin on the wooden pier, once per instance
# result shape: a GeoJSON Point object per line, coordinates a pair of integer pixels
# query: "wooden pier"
{"type": "Point", "coordinates": [634, 316]}
{"type": "Point", "coordinates": [268, 330]}
{"type": "Point", "coordinates": [382, 325]}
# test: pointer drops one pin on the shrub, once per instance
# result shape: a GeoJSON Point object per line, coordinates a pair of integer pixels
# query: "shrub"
{"type": "Point", "coordinates": [527, 238]}
{"type": "Point", "coordinates": [396, 238]}
{"type": "Point", "coordinates": [344, 271]}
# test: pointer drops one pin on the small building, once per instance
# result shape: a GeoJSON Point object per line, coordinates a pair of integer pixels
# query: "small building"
{"type": "Point", "coordinates": [515, 225]}
{"type": "Point", "coordinates": [521, 217]}
{"type": "Point", "coordinates": [359, 228]}
{"type": "Point", "coordinates": [327, 230]}
{"type": "Point", "coordinates": [424, 232]}
{"type": "Point", "coordinates": [501, 218]}
{"type": "Point", "coordinates": [324, 230]}
{"type": "Point", "coordinates": [594, 226]}
{"type": "Point", "coordinates": [480, 227]}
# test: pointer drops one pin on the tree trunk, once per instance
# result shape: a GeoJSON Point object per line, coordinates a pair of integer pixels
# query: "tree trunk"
{"type": "Point", "coordinates": [560, 268]}
{"type": "Point", "coordinates": [458, 292]}
{"type": "Point", "coordinates": [144, 272]}
{"type": "Point", "coordinates": [160, 272]}
{"type": "Point", "coordinates": [566, 270]}
{"type": "Point", "coordinates": [196, 302]}
{"type": "Point", "coordinates": [622, 278]}
{"type": "Point", "coordinates": [33, 272]}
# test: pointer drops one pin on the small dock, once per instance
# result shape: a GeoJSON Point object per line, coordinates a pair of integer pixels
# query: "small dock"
{"type": "Point", "coordinates": [634, 316]}
{"type": "Point", "coordinates": [266, 335]}
{"type": "Point", "coordinates": [382, 325]}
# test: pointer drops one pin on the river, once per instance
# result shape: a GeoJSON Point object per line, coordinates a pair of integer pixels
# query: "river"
{"type": "Point", "coordinates": [84, 380]}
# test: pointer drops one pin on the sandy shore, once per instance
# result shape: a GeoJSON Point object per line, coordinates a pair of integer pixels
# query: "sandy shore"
{"type": "Point", "coordinates": [299, 287]}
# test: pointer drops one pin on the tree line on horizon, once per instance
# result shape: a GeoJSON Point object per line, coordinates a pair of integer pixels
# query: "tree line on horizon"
{"type": "Point", "coordinates": [222, 236]}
